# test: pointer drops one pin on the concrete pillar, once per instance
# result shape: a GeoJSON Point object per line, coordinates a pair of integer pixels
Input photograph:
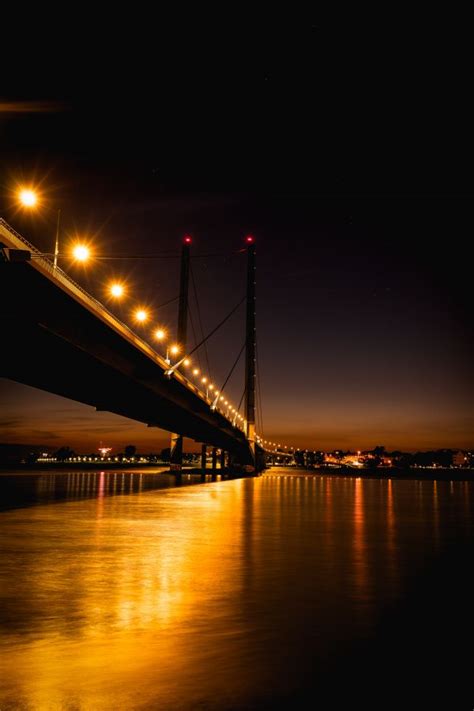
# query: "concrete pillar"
{"type": "Point", "coordinates": [176, 452]}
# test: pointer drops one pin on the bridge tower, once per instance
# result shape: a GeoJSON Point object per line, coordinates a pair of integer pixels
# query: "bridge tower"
{"type": "Point", "coordinates": [250, 347]}
{"type": "Point", "coordinates": [176, 447]}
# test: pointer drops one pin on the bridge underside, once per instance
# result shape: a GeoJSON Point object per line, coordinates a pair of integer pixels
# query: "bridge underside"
{"type": "Point", "coordinates": [52, 342]}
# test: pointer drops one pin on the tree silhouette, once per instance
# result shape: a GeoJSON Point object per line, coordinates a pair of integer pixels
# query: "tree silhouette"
{"type": "Point", "coordinates": [64, 453]}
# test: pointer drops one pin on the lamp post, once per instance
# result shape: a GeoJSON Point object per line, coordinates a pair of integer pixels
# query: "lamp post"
{"type": "Point", "coordinates": [56, 243]}
{"type": "Point", "coordinates": [28, 198]}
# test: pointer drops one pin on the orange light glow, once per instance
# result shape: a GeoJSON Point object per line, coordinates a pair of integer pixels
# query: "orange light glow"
{"type": "Point", "coordinates": [141, 315]}
{"type": "Point", "coordinates": [81, 252]}
{"type": "Point", "coordinates": [117, 290]}
{"type": "Point", "coordinates": [27, 197]}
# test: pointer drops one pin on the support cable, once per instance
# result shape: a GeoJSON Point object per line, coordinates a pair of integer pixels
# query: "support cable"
{"type": "Point", "coordinates": [195, 339]}
{"type": "Point", "coordinates": [233, 368]}
{"type": "Point", "coordinates": [170, 371]}
{"type": "Point", "coordinates": [241, 399]}
{"type": "Point", "coordinates": [199, 318]}
{"type": "Point", "coordinates": [165, 303]}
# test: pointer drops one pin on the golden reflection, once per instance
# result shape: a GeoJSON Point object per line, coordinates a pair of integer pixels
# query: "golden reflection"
{"type": "Point", "coordinates": [131, 602]}
{"type": "Point", "coordinates": [200, 596]}
{"type": "Point", "coordinates": [391, 558]}
{"type": "Point", "coordinates": [361, 570]}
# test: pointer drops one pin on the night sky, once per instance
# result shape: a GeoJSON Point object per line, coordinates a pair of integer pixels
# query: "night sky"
{"type": "Point", "coordinates": [350, 162]}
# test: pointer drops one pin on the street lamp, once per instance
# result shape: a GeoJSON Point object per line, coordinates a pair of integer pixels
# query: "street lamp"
{"type": "Point", "coordinates": [141, 315]}
{"type": "Point", "coordinates": [80, 252]}
{"type": "Point", "coordinates": [29, 198]}
{"type": "Point", "coordinates": [116, 290]}
{"type": "Point", "coordinates": [174, 350]}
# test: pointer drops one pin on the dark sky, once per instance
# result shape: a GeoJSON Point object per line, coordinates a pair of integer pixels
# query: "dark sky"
{"type": "Point", "coordinates": [346, 153]}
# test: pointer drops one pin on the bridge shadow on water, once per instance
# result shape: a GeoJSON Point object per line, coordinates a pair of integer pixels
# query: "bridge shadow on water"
{"type": "Point", "coordinates": [30, 489]}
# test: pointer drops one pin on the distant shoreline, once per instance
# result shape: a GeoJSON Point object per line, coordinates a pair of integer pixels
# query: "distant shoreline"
{"type": "Point", "coordinates": [420, 473]}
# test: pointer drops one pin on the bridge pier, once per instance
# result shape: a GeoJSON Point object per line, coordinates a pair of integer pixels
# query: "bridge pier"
{"type": "Point", "coordinates": [176, 452]}
{"type": "Point", "coordinates": [203, 457]}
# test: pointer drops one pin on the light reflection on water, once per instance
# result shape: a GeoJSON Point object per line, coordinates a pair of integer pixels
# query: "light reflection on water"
{"type": "Point", "coordinates": [230, 595]}
{"type": "Point", "coordinates": [29, 488]}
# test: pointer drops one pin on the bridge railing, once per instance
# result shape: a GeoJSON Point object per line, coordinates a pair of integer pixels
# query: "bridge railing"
{"type": "Point", "coordinates": [41, 262]}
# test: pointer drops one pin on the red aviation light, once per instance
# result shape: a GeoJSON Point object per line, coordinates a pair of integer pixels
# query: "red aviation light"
{"type": "Point", "coordinates": [250, 239]}
{"type": "Point", "coordinates": [187, 239]}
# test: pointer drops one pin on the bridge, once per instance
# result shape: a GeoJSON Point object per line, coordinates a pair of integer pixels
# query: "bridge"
{"type": "Point", "coordinates": [59, 338]}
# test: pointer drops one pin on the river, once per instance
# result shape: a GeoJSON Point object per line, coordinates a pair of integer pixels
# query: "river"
{"type": "Point", "coordinates": [291, 590]}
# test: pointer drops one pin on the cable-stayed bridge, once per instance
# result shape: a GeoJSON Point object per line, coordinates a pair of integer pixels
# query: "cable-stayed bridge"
{"type": "Point", "coordinates": [59, 338]}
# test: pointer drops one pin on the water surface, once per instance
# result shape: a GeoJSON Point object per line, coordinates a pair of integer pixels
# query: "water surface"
{"type": "Point", "coordinates": [291, 590]}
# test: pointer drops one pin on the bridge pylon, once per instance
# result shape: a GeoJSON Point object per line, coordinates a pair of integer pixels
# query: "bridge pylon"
{"type": "Point", "coordinates": [176, 445]}
{"type": "Point", "coordinates": [250, 348]}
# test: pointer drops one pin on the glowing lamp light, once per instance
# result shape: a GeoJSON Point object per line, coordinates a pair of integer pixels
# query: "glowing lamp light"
{"type": "Point", "coordinates": [187, 239]}
{"type": "Point", "coordinates": [221, 397]}
{"type": "Point", "coordinates": [81, 253]}
{"type": "Point", "coordinates": [196, 371]}
{"type": "Point", "coordinates": [186, 362]}
{"type": "Point", "coordinates": [141, 315]}
{"type": "Point", "coordinates": [204, 380]}
{"type": "Point", "coordinates": [249, 239]}
{"type": "Point", "coordinates": [174, 350]}
{"type": "Point", "coordinates": [28, 198]}
{"type": "Point", "coordinates": [159, 334]}
{"type": "Point", "coordinates": [117, 290]}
